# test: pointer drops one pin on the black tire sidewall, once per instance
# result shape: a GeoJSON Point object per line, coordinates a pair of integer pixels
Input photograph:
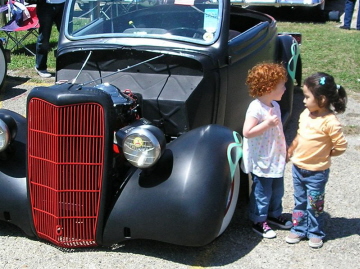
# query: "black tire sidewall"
{"type": "Point", "coordinates": [3, 67]}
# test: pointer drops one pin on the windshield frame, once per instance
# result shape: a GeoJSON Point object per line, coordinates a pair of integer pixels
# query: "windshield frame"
{"type": "Point", "coordinates": [208, 15]}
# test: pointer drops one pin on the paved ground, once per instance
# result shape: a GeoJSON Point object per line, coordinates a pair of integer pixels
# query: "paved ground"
{"type": "Point", "coordinates": [239, 246]}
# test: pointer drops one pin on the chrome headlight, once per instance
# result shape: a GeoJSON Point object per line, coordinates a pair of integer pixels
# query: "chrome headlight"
{"type": "Point", "coordinates": [143, 145]}
{"type": "Point", "coordinates": [4, 135]}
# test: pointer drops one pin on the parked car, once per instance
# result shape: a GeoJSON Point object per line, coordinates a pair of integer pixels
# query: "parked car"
{"type": "Point", "coordinates": [280, 3]}
{"type": "Point", "coordinates": [317, 7]}
{"type": "Point", "coordinates": [140, 138]}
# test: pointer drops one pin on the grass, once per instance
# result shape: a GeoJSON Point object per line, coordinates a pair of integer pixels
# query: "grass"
{"type": "Point", "coordinates": [23, 62]}
{"type": "Point", "coordinates": [324, 48]}
{"type": "Point", "coordinates": [327, 48]}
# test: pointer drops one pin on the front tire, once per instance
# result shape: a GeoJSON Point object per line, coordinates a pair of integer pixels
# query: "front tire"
{"type": "Point", "coordinates": [233, 196]}
{"type": "Point", "coordinates": [3, 68]}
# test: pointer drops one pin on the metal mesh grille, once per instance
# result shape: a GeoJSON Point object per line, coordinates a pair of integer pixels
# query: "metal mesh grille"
{"type": "Point", "coordinates": [65, 167]}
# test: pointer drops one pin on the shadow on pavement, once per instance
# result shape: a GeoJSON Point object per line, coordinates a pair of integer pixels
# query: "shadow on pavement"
{"type": "Point", "coordinates": [10, 89]}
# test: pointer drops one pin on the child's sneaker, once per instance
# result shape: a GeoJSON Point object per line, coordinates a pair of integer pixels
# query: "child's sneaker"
{"type": "Point", "coordinates": [280, 222]}
{"type": "Point", "coordinates": [315, 242]}
{"type": "Point", "coordinates": [263, 229]}
{"type": "Point", "coordinates": [293, 238]}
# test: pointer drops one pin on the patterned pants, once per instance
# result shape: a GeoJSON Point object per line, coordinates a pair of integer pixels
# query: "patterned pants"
{"type": "Point", "coordinates": [309, 194]}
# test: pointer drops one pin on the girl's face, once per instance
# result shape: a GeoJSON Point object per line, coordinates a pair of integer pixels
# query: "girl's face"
{"type": "Point", "coordinates": [279, 90]}
{"type": "Point", "coordinates": [309, 100]}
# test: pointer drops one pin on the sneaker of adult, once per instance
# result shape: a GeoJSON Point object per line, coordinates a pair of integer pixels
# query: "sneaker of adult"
{"type": "Point", "coordinates": [43, 73]}
{"type": "Point", "coordinates": [315, 242]}
{"type": "Point", "coordinates": [293, 238]}
{"type": "Point", "coordinates": [280, 222]}
{"type": "Point", "coordinates": [344, 27]}
{"type": "Point", "coordinates": [263, 229]}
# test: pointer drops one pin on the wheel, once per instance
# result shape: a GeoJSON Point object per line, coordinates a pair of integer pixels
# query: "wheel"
{"type": "Point", "coordinates": [232, 200]}
{"type": "Point", "coordinates": [3, 67]}
{"type": "Point", "coordinates": [334, 15]}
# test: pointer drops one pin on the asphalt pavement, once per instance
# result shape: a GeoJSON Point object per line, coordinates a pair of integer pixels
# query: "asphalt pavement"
{"type": "Point", "coordinates": [238, 247]}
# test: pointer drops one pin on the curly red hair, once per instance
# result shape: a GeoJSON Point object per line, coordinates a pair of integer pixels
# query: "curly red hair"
{"type": "Point", "coordinates": [263, 78]}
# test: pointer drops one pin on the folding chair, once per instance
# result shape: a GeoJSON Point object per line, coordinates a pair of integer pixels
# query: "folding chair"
{"type": "Point", "coordinates": [29, 27]}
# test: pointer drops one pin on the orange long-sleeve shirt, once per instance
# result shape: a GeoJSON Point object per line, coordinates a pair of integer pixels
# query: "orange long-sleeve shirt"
{"type": "Point", "coordinates": [318, 138]}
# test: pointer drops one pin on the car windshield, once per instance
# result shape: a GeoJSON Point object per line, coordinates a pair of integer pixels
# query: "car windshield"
{"type": "Point", "coordinates": [184, 20]}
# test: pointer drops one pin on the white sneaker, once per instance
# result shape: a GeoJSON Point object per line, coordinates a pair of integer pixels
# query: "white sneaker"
{"type": "Point", "coordinates": [263, 229]}
{"type": "Point", "coordinates": [315, 242]}
{"type": "Point", "coordinates": [43, 73]}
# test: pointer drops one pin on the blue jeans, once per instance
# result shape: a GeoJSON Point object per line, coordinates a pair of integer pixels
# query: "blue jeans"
{"type": "Point", "coordinates": [48, 14]}
{"type": "Point", "coordinates": [349, 10]}
{"type": "Point", "coordinates": [265, 198]}
{"type": "Point", "coordinates": [309, 193]}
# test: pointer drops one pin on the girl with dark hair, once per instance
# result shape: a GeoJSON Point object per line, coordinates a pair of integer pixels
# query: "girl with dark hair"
{"type": "Point", "coordinates": [319, 137]}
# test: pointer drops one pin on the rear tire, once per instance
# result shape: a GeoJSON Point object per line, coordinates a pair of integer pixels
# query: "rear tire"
{"type": "Point", "coordinates": [3, 67]}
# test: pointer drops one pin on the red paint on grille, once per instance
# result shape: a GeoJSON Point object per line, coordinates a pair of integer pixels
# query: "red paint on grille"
{"type": "Point", "coordinates": [65, 169]}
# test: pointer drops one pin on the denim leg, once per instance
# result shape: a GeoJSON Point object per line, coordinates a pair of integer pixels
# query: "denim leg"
{"type": "Point", "coordinates": [299, 215]}
{"type": "Point", "coordinates": [42, 45]}
{"type": "Point", "coordinates": [349, 10]}
{"type": "Point", "coordinates": [59, 10]}
{"type": "Point", "coordinates": [309, 193]}
{"type": "Point", "coordinates": [259, 198]}
{"type": "Point", "coordinates": [275, 207]}
{"type": "Point", "coordinates": [48, 14]}
{"type": "Point", "coordinates": [358, 20]}
{"type": "Point", "coordinates": [315, 208]}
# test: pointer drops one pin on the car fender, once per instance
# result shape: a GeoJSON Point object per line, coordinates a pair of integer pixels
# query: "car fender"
{"type": "Point", "coordinates": [289, 56]}
{"type": "Point", "coordinates": [183, 200]}
{"type": "Point", "coordinates": [14, 202]}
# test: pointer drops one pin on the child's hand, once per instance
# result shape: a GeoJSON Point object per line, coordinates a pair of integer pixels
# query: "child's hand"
{"type": "Point", "coordinates": [272, 120]}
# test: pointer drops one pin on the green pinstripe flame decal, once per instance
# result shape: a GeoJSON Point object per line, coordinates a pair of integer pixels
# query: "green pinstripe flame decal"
{"type": "Point", "coordinates": [236, 156]}
{"type": "Point", "coordinates": [295, 51]}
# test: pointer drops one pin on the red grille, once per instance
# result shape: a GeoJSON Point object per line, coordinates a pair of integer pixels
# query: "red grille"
{"type": "Point", "coordinates": [65, 167]}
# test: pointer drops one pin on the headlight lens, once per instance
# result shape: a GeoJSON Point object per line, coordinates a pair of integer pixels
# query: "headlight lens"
{"type": "Point", "coordinates": [4, 135]}
{"type": "Point", "coordinates": [143, 146]}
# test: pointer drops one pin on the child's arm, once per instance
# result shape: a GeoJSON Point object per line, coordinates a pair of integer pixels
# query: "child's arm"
{"type": "Point", "coordinates": [339, 147]}
{"type": "Point", "coordinates": [334, 152]}
{"type": "Point", "coordinates": [253, 128]}
{"type": "Point", "coordinates": [338, 140]}
{"type": "Point", "coordinates": [292, 147]}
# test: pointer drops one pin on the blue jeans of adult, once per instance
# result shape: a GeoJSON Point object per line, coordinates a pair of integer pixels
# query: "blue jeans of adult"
{"type": "Point", "coordinates": [48, 14]}
{"type": "Point", "coordinates": [265, 198]}
{"type": "Point", "coordinates": [309, 194]}
{"type": "Point", "coordinates": [349, 11]}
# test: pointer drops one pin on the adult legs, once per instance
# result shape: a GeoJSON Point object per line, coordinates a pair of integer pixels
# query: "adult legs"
{"type": "Point", "coordinates": [44, 14]}
{"type": "Point", "coordinates": [358, 19]}
{"type": "Point", "coordinates": [349, 10]}
{"type": "Point", "coordinates": [48, 14]}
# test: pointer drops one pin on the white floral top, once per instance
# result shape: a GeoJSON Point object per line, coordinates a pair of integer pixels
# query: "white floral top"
{"type": "Point", "coordinates": [265, 155]}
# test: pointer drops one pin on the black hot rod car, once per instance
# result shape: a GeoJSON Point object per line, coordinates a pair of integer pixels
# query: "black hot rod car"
{"type": "Point", "coordinates": [141, 135]}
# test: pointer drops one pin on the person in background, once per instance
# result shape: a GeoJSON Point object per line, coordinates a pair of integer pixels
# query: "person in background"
{"type": "Point", "coordinates": [264, 150]}
{"type": "Point", "coordinates": [319, 137]}
{"type": "Point", "coordinates": [48, 12]}
{"type": "Point", "coordinates": [349, 11]}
